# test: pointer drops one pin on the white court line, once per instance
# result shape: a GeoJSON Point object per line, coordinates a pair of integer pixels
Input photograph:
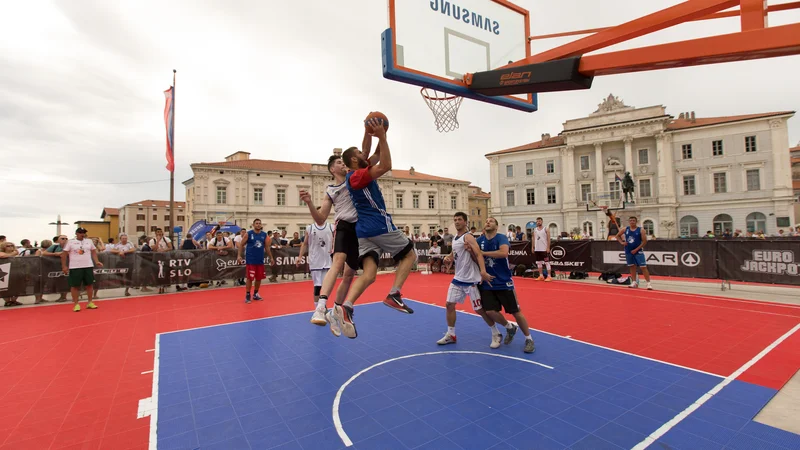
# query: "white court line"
{"type": "Point", "coordinates": [150, 350]}
{"type": "Point", "coordinates": [147, 371]}
{"type": "Point", "coordinates": [150, 405]}
{"type": "Point", "coordinates": [707, 396]}
{"type": "Point", "coordinates": [337, 421]}
{"type": "Point", "coordinates": [702, 296]}
{"type": "Point", "coordinates": [595, 345]}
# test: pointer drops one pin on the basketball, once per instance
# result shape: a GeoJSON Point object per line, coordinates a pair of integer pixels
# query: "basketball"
{"type": "Point", "coordinates": [377, 115]}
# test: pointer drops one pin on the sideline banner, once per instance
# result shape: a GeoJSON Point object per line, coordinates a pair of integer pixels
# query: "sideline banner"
{"type": "Point", "coordinates": [673, 258]}
{"type": "Point", "coordinates": [776, 262]}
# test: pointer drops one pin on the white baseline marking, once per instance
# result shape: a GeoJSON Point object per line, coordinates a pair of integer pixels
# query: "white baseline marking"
{"type": "Point", "coordinates": [595, 345]}
{"type": "Point", "coordinates": [707, 396]}
{"type": "Point", "coordinates": [146, 372]}
{"type": "Point", "coordinates": [337, 422]}
{"type": "Point", "coordinates": [154, 397]}
{"type": "Point", "coordinates": [150, 350]}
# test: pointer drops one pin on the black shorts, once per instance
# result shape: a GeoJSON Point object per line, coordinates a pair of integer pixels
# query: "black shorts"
{"type": "Point", "coordinates": [345, 241]}
{"type": "Point", "coordinates": [541, 256]}
{"type": "Point", "coordinates": [493, 300]}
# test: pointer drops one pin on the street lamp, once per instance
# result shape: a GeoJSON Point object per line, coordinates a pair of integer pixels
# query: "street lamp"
{"type": "Point", "coordinates": [58, 224]}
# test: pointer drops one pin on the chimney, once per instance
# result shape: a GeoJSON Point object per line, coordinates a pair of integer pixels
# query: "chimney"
{"type": "Point", "coordinates": [692, 116]}
{"type": "Point", "coordinates": [411, 170]}
{"type": "Point", "coordinates": [680, 116]}
{"type": "Point", "coordinates": [545, 136]}
{"type": "Point", "coordinates": [337, 152]}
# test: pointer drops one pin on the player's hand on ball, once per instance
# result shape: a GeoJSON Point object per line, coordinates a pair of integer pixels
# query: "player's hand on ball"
{"type": "Point", "coordinates": [377, 128]}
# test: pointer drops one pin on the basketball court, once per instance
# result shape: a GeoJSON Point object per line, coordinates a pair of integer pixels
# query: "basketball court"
{"type": "Point", "coordinates": [612, 369]}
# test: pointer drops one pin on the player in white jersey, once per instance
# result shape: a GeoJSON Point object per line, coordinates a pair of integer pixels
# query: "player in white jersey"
{"type": "Point", "coordinates": [345, 242]}
{"type": "Point", "coordinates": [319, 243]}
{"type": "Point", "coordinates": [470, 272]}
{"type": "Point", "coordinates": [541, 249]}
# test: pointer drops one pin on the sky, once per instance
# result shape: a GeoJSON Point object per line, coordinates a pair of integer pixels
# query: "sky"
{"type": "Point", "coordinates": [81, 94]}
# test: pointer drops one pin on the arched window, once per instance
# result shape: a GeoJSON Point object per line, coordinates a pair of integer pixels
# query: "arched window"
{"type": "Point", "coordinates": [553, 231]}
{"type": "Point", "coordinates": [722, 222]}
{"type": "Point", "coordinates": [588, 228]}
{"type": "Point", "coordinates": [756, 222]}
{"type": "Point", "coordinates": [649, 227]}
{"type": "Point", "coordinates": [689, 226]}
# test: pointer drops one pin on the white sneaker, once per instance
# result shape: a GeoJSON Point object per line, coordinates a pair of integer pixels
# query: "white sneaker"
{"type": "Point", "coordinates": [319, 318]}
{"type": "Point", "coordinates": [633, 285]}
{"type": "Point", "coordinates": [649, 287]}
{"type": "Point", "coordinates": [336, 329]}
{"type": "Point", "coordinates": [447, 339]}
{"type": "Point", "coordinates": [496, 338]}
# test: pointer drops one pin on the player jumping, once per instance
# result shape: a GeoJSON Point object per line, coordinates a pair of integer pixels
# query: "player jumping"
{"type": "Point", "coordinates": [375, 230]}
{"type": "Point", "coordinates": [256, 246]}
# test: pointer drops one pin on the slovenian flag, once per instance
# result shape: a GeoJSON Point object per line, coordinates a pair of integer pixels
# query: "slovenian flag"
{"type": "Point", "coordinates": [617, 178]}
{"type": "Point", "coordinates": [169, 121]}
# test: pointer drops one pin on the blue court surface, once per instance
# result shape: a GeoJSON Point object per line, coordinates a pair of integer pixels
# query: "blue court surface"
{"type": "Point", "coordinates": [272, 383]}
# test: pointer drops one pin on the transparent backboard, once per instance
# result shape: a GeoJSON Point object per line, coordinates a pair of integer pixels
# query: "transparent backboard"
{"type": "Point", "coordinates": [434, 43]}
{"type": "Point", "coordinates": [600, 200]}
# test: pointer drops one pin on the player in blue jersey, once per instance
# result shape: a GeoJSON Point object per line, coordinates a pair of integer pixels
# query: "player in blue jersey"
{"type": "Point", "coordinates": [375, 230]}
{"type": "Point", "coordinates": [499, 291]}
{"type": "Point", "coordinates": [634, 241]}
{"type": "Point", "coordinates": [257, 246]}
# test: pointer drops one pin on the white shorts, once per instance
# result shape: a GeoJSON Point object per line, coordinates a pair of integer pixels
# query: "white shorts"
{"type": "Point", "coordinates": [317, 275]}
{"type": "Point", "coordinates": [457, 294]}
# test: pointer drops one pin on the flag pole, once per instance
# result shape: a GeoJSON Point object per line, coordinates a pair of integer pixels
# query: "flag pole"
{"type": "Point", "coordinates": [172, 172]}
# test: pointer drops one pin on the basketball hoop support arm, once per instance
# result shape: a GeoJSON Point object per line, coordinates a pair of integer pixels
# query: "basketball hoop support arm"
{"type": "Point", "coordinates": [754, 41]}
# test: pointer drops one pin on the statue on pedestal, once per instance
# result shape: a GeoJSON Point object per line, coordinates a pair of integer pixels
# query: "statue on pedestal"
{"type": "Point", "coordinates": [628, 187]}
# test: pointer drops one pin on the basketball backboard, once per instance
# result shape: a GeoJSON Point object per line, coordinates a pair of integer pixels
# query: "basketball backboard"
{"type": "Point", "coordinates": [434, 43]}
{"type": "Point", "coordinates": [600, 200]}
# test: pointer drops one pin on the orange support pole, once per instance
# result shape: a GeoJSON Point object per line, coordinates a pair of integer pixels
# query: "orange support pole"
{"type": "Point", "coordinates": [756, 44]}
{"type": "Point", "coordinates": [754, 14]}
{"type": "Point", "coordinates": [680, 13]}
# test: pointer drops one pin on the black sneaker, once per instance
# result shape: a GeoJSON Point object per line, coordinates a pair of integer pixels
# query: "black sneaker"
{"type": "Point", "coordinates": [395, 301]}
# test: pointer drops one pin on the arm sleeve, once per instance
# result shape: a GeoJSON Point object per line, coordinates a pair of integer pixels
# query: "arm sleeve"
{"type": "Point", "coordinates": [360, 178]}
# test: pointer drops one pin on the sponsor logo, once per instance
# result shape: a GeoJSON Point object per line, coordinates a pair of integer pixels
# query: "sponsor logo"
{"type": "Point", "coordinates": [672, 259]}
{"type": "Point", "coordinates": [103, 271]}
{"type": "Point", "coordinates": [229, 264]}
{"type": "Point", "coordinates": [558, 252]}
{"type": "Point", "coordinates": [777, 262]}
{"type": "Point", "coordinates": [5, 276]}
{"type": "Point", "coordinates": [177, 268]}
{"type": "Point", "coordinates": [514, 78]}
{"type": "Point", "coordinates": [513, 252]}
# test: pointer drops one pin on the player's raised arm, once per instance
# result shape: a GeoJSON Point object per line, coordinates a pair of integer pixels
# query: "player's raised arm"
{"type": "Point", "coordinates": [385, 163]}
{"type": "Point", "coordinates": [319, 215]}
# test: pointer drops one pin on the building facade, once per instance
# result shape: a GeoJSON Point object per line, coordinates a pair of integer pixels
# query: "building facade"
{"type": "Point", "coordinates": [691, 174]}
{"type": "Point", "coordinates": [103, 229]}
{"type": "Point", "coordinates": [143, 217]}
{"type": "Point", "coordinates": [479, 204]}
{"type": "Point", "coordinates": [241, 189]}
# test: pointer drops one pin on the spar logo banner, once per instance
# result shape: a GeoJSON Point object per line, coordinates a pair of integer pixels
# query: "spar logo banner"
{"type": "Point", "coordinates": [674, 258]}
{"type": "Point", "coordinates": [760, 261]}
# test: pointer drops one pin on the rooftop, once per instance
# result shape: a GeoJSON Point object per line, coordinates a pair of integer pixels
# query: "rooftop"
{"type": "Point", "coordinates": [156, 204]}
{"type": "Point", "coordinates": [305, 168]}
{"type": "Point", "coordinates": [683, 123]}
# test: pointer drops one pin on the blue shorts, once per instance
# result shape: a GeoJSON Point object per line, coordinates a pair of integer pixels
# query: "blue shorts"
{"type": "Point", "coordinates": [635, 260]}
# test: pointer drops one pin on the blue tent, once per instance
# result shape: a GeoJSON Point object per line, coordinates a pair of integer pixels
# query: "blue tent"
{"type": "Point", "coordinates": [201, 227]}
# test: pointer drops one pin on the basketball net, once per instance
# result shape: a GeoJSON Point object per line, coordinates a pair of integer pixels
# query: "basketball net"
{"type": "Point", "coordinates": [444, 108]}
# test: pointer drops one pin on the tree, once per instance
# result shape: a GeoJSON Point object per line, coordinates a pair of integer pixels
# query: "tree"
{"type": "Point", "coordinates": [668, 225]}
